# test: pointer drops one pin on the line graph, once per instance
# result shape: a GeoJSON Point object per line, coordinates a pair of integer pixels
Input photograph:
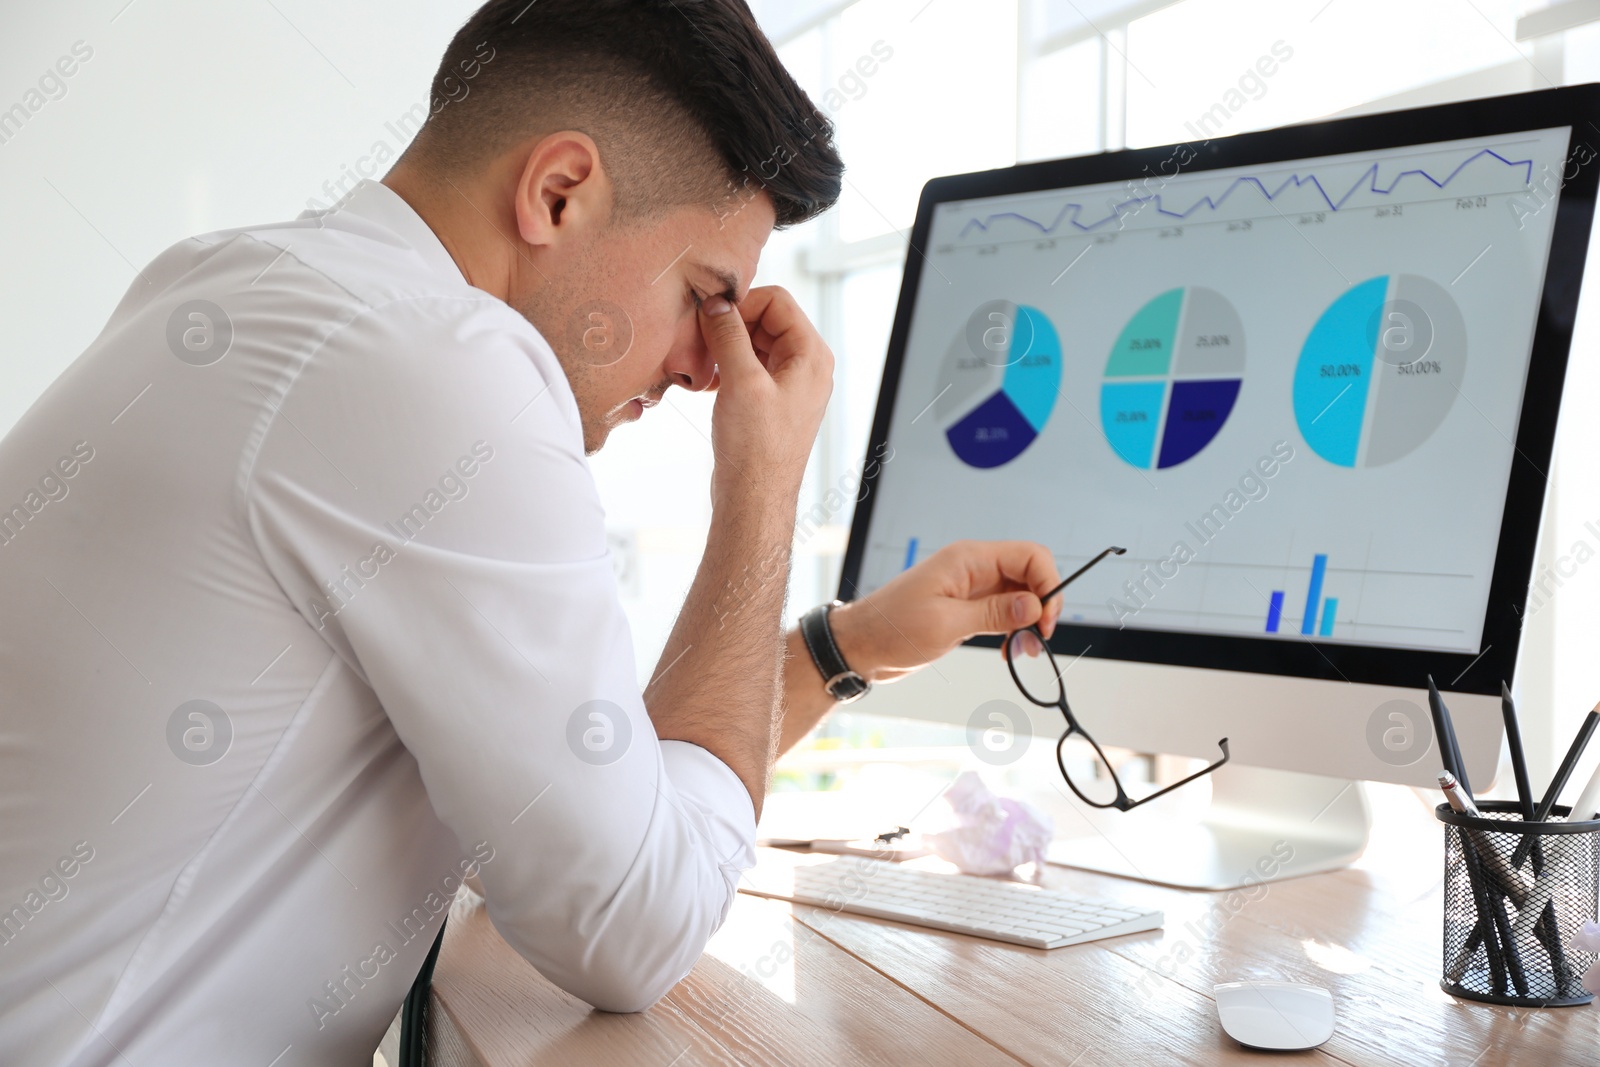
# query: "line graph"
{"type": "Point", "coordinates": [1071, 213]}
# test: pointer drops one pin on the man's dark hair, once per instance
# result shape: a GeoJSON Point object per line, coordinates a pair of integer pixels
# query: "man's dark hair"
{"type": "Point", "coordinates": [686, 100]}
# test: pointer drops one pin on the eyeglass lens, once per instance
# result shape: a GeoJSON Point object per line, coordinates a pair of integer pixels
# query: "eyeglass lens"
{"type": "Point", "coordinates": [1086, 770]}
{"type": "Point", "coordinates": [1034, 667]}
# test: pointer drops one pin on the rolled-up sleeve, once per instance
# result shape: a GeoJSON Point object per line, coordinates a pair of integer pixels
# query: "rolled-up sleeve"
{"type": "Point", "coordinates": [421, 495]}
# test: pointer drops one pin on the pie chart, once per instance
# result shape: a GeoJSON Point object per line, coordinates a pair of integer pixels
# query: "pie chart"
{"type": "Point", "coordinates": [1173, 377]}
{"type": "Point", "coordinates": [998, 383]}
{"type": "Point", "coordinates": [1380, 370]}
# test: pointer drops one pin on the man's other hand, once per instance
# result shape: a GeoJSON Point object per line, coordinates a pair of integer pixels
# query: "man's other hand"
{"type": "Point", "coordinates": [965, 588]}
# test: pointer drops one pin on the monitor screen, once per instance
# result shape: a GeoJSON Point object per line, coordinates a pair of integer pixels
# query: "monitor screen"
{"type": "Point", "coordinates": [1290, 389]}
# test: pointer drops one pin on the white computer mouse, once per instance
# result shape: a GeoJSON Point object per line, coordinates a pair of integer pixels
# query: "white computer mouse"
{"type": "Point", "coordinates": [1275, 1015]}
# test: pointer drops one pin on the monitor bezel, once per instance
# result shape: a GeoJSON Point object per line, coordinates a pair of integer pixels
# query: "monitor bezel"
{"type": "Point", "coordinates": [1577, 107]}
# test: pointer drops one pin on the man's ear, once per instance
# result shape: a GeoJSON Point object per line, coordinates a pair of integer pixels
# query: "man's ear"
{"type": "Point", "coordinates": [563, 189]}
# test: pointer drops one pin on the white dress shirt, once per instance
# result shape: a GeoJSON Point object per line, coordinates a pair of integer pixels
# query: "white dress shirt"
{"type": "Point", "coordinates": [307, 611]}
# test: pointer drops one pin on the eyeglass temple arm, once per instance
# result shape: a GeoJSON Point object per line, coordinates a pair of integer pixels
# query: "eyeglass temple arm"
{"type": "Point", "coordinates": [1069, 579]}
{"type": "Point", "coordinates": [1202, 772]}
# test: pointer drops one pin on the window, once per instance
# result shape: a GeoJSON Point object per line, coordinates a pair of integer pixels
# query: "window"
{"type": "Point", "coordinates": [919, 88]}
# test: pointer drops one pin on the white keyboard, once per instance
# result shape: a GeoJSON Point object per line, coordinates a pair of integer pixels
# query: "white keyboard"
{"type": "Point", "coordinates": [1016, 912]}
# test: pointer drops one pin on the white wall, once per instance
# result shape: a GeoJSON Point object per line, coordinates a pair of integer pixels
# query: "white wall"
{"type": "Point", "coordinates": [189, 116]}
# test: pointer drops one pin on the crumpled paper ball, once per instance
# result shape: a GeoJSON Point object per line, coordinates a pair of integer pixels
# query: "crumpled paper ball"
{"type": "Point", "coordinates": [1587, 939]}
{"type": "Point", "coordinates": [992, 834]}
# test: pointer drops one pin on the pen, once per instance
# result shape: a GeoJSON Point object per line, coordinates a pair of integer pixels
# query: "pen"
{"type": "Point", "coordinates": [885, 846]}
{"type": "Point", "coordinates": [1559, 782]}
{"type": "Point", "coordinates": [1511, 882]}
{"type": "Point", "coordinates": [1459, 801]}
{"type": "Point", "coordinates": [1491, 929]}
{"type": "Point", "coordinates": [1535, 907]}
{"type": "Point", "coordinates": [1444, 730]}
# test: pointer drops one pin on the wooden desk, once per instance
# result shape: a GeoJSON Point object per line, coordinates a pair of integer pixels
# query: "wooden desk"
{"type": "Point", "coordinates": [789, 984]}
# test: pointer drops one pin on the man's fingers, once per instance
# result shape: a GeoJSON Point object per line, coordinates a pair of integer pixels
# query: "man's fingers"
{"type": "Point", "coordinates": [771, 306]}
{"type": "Point", "coordinates": [1002, 564]}
{"type": "Point", "coordinates": [1052, 612]}
{"type": "Point", "coordinates": [778, 328]}
{"type": "Point", "coordinates": [1031, 565]}
{"type": "Point", "coordinates": [727, 338]}
{"type": "Point", "coordinates": [1000, 584]}
{"type": "Point", "coordinates": [1026, 643]}
{"type": "Point", "coordinates": [1002, 613]}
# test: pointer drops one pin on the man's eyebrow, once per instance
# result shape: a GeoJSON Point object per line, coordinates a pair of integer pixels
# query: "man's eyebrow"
{"type": "Point", "coordinates": [729, 280]}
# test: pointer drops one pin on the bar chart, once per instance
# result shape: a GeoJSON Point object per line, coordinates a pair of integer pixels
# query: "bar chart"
{"type": "Point", "coordinates": [1327, 608]}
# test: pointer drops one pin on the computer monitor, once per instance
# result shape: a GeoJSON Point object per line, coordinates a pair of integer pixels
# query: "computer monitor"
{"type": "Point", "coordinates": [1309, 378]}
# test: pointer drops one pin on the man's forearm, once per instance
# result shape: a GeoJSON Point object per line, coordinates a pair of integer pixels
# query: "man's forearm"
{"type": "Point", "coordinates": [718, 682]}
{"type": "Point", "coordinates": [805, 702]}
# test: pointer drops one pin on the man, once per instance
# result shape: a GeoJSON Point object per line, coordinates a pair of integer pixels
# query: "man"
{"type": "Point", "coordinates": [309, 612]}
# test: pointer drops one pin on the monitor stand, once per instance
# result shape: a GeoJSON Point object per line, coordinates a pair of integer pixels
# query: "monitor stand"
{"type": "Point", "coordinates": [1262, 826]}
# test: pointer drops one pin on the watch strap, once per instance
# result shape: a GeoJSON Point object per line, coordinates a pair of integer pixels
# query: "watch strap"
{"type": "Point", "coordinates": [842, 683]}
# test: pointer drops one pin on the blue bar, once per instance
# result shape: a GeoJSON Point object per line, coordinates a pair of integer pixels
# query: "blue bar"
{"type": "Point", "coordinates": [1275, 611]}
{"type": "Point", "coordinates": [911, 554]}
{"type": "Point", "coordinates": [1329, 606]}
{"type": "Point", "coordinates": [1308, 621]}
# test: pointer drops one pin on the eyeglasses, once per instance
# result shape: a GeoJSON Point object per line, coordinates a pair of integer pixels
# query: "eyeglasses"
{"type": "Point", "coordinates": [1033, 667]}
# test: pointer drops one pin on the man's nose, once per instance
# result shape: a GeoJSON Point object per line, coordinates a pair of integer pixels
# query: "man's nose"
{"type": "Point", "coordinates": [689, 365]}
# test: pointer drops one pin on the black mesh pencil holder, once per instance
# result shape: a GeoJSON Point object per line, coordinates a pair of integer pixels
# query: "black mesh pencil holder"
{"type": "Point", "coordinates": [1508, 925]}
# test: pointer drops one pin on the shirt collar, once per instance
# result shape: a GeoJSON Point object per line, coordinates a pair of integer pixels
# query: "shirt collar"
{"type": "Point", "coordinates": [375, 201]}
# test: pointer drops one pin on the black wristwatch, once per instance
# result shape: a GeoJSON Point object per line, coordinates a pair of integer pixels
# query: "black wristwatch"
{"type": "Point", "coordinates": [842, 683]}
